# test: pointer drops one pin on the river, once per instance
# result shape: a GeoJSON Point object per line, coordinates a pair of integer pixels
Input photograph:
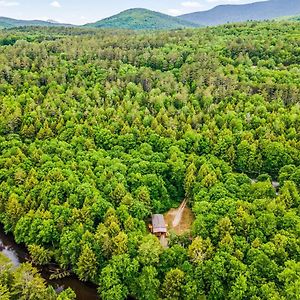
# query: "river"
{"type": "Point", "coordinates": [18, 254]}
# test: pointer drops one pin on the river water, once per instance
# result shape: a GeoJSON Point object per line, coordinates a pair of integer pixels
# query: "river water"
{"type": "Point", "coordinates": [18, 254]}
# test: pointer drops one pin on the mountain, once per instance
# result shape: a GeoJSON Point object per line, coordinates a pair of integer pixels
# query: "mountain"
{"type": "Point", "coordinates": [223, 14]}
{"type": "Point", "coordinates": [289, 18]}
{"type": "Point", "coordinates": [293, 18]}
{"type": "Point", "coordinates": [52, 21]}
{"type": "Point", "coordinates": [140, 18]}
{"type": "Point", "coordinates": [10, 23]}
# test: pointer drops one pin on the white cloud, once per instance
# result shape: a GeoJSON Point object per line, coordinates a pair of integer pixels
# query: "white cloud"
{"type": "Point", "coordinates": [174, 12]}
{"type": "Point", "coordinates": [217, 2]}
{"type": "Point", "coordinates": [185, 7]}
{"type": "Point", "coordinates": [8, 3]}
{"type": "Point", "coordinates": [192, 4]}
{"type": "Point", "coordinates": [55, 4]}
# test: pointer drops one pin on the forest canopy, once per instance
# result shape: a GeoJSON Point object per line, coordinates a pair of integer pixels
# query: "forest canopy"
{"type": "Point", "coordinates": [100, 129]}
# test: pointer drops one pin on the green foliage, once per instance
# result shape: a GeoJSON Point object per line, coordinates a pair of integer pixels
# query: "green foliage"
{"type": "Point", "coordinates": [291, 279]}
{"type": "Point", "coordinates": [148, 284]}
{"type": "Point", "coordinates": [87, 265]}
{"type": "Point", "coordinates": [100, 129]}
{"type": "Point", "coordinates": [149, 251]}
{"type": "Point", "coordinates": [39, 255]}
{"type": "Point", "coordinates": [173, 284]}
{"type": "Point", "coordinates": [67, 294]}
{"type": "Point", "coordinates": [24, 282]}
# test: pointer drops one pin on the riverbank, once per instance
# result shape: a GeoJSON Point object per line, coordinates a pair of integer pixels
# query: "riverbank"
{"type": "Point", "coordinates": [18, 254]}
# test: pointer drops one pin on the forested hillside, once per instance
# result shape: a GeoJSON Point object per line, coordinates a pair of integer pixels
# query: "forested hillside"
{"type": "Point", "coordinates": [295, 18]}
{"type": "Point", "coordinates": [99, 129]}
{"type": "Point", "coordinates": [229, 13]}
{"type": "Point", "coordinates": [142, 19]}
{"type": "Point", "coordinates": [10, 23]}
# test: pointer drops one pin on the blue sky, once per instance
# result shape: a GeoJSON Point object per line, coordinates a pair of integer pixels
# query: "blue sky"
{"type": "Point", "coordinates": [83, 11]}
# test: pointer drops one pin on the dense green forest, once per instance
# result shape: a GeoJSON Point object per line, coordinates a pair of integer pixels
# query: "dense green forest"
{"type": "Point", "coordinates": [99, 129]}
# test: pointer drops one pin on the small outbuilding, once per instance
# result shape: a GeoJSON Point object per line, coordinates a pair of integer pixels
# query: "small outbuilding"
{"type": "Point", "coordinates": [158, 227]}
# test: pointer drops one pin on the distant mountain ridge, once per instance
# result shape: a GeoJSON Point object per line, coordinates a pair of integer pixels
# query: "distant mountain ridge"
{"type": "Point", "coordinates": [10, 23]}
{"type": "Point", "coordinates": [294, 18]}
{"type": "Point", "coordinates": [140, 18]}
{"type": "Point", "coordinates": [264, 10]}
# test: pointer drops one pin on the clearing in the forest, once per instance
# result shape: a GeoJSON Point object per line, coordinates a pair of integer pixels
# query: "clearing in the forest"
{"type": "Point", "coordinates": [179, 220]}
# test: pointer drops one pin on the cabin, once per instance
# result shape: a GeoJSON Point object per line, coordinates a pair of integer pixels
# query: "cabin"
{"type": "Point", "coordinates": [158, 226]}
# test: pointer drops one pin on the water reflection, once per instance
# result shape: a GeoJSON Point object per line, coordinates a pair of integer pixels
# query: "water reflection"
{"type": "Point", "coordinates": [11, 255]}
{"type": "Point", "coordinates": [18, 254]}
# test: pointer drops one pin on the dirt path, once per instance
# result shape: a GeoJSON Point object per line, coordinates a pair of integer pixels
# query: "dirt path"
{"type": "Point", "coordinates": [164, 241]}
{"type": "Point", "coordinates": [179, 220]}
{"type": "Point", "coordinates": [178, 216]}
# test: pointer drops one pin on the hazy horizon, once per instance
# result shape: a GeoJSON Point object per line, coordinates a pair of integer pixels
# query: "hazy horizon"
{"type": "Point", "coordinates": [81, 12]}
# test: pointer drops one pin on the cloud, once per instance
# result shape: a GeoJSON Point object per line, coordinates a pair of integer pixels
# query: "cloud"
{"type": "Point", "coordinates": [191, 4]}
{"type": "Point", "coordinates": [185, 7]}
{"type": "Point", "coordinates": [55, 4]}
{"type": "Point", "coordinates": [8, 3]}
{"type": "Point", "coordinates": [230, 1]}
{"type": "Point", "coordinates": [174, 12]}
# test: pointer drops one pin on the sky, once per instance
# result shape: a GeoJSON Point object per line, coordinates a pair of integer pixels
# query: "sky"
{"type": "Point", "coordinates": [84, 11]}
